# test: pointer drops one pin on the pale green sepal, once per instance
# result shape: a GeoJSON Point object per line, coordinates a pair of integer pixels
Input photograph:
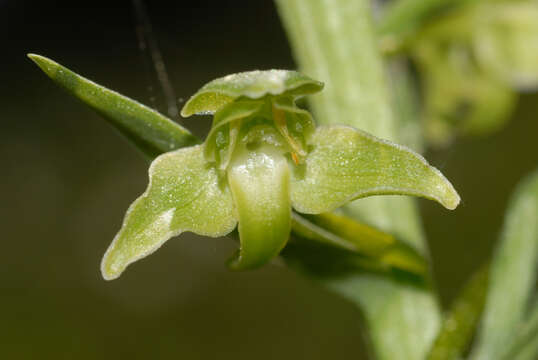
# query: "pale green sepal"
{"type": "Point", "coordinates": [183, 194]}
{"type": "Point", "coordinates": [259, 180]}
{"type": "Point", "coordinates": [252, 84]}
{"type": "Point", "coordinates": [346, 164]}
{"type": "Point", "coordinates": [149, 131]}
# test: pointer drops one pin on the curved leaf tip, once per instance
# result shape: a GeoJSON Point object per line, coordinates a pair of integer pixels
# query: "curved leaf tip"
{"type": "Point", "coordinates": [151, 132]}
{"type": "Point", "coordinates": [41, 61]}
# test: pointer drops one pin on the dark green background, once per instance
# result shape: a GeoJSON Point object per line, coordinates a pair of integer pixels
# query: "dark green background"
{"type": "Point", "coordinates": [66, 180]}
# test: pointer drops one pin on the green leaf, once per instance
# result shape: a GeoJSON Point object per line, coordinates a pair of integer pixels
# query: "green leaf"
{"type": "Point", "coordinates": [525, 345]}
{"type": "Point", "coordinates": [380, 299]}
{"type": "Point", "coordinates": [347, 164]}
{"type": "Point", "coordinates": [252, 84]}
{"type": "Point", "coordinates": [149, 131]}
{"type": "Point", "coordinates": [259, 180]}
{"type": "Point", "coordinates": [184, 194]}
{"type": "Point", "coordinates": [513, 273]}
{"type": "Point", "coordinates": [460, 322]}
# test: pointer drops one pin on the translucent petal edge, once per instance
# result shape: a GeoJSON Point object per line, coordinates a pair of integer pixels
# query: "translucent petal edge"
{"type": "Point", "coordinates": [220, 97]}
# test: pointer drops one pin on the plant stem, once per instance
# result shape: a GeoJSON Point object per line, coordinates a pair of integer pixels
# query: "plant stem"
{"type": "Point", "coordinates": [335, 41]}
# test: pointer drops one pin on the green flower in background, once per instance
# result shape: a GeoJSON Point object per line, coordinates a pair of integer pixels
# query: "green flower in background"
{"type": "Point", "coordinates": [506, 41]}
{"type": "Point", "coordinates": [471, 61]}
{"type": "Point", "coordinates": [262, 157]}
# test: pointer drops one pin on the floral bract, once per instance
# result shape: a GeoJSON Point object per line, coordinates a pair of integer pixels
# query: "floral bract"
{"type": "Point", "coordinates": [262, 157]}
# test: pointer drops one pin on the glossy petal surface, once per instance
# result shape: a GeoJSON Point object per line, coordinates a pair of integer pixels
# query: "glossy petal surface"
{"type": "Point", "coordinates": [252, 84]}
{"type": "Point", "coordinates": [346, 164]}
{"type": "Point", "coordinates": [184, 194]}
{"type": "Point", "coordinates": [259, 181]}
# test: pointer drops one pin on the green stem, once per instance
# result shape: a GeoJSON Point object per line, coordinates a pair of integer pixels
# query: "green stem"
{"type": "Point", "coordinates": [335, 41]}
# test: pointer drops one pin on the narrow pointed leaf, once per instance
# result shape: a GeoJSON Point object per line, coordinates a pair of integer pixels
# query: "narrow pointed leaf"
{"type": "Point", "coordinates": [259, 181]}
{"type": "Point", "coordinates": [184, 194]}
{"type": "Point", "coordinates": [151, 132]}
{"type": "Point", "coordinates": [525, 346]}
{"type": "Point", "coordinates": [459, 324]}
{"type": "Point", "coordinates": [347, 164]}
{"type": "Point", "coordinates": [513, 274]}
{"type": "Point", "coordinates": [252, 84]}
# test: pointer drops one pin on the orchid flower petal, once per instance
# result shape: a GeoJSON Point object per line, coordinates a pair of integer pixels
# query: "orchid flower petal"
{"type": "Point", "coordinates": [346, 164]}
{"type": "Point", "coordinates": [184, 194]}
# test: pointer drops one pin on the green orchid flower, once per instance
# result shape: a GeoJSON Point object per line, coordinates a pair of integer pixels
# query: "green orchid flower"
{"type": "Point", "coordinates": [472, 61]}
{"type": "Point", "coordinates": [262, 157]}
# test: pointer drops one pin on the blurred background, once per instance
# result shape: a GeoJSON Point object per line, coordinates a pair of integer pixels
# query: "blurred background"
{"type": "Point", "coordinates": [66, 180]}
